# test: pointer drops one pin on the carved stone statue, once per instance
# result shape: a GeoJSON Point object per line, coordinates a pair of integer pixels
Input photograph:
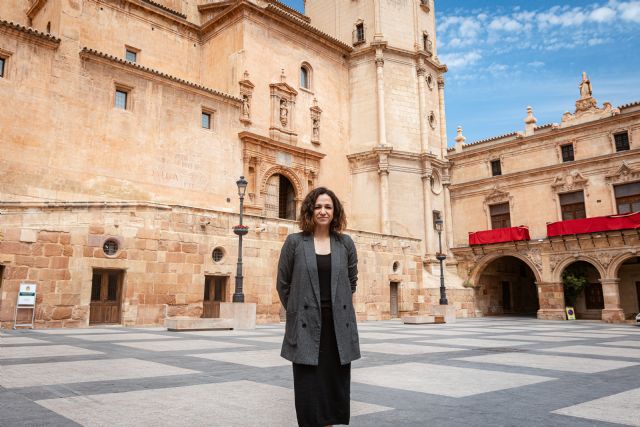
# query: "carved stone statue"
{"type": "Point", "coordinates": [284, 112]}
{"type": "Point", "coordinates": [585, 87]}
{"type": "Point", "coordinates": [246, 106]}
{"type": "Point", "coordinates": [316, 128]}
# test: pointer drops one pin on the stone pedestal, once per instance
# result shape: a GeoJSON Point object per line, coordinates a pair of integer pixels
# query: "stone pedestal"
{"type": "Point", "coordinates": [422, 319]}
{"type": "Point", "coordinates": [612, 312]}
{"type": "Point", "coordinates": [448, 312]}
{"type": "Point", "coordinates": [552, 314]}
{"type": "Point", "coordinates": [197, 324]}
{"type": "Point", "coordinates": [243, 314]}
{"type": "Point", "coordinates": [551, 300]}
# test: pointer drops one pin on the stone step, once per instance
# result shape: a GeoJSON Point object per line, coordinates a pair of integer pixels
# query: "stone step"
{"type": "Point", "coordinates": [422, 319]}
{"type": "Point", "coordinates": [176, 324]}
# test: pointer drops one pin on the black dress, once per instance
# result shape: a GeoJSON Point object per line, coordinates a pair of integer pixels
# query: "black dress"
{"type": "Point", "coordinates": [322, 392]}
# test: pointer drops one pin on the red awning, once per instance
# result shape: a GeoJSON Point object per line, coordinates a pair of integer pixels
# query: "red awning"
{"type": "Point", "coordinates": [593, 225]}
{"type": "Point", "coordinates": [499, 235]}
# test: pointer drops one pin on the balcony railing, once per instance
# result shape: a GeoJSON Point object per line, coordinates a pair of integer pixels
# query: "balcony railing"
{"type": "Point", "coordinates": [594, 225]}
{"type": "Point", "coordinates": [499, 235]}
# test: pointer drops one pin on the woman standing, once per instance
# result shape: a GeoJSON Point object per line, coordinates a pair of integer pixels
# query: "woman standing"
{"type": "Point", "coordinates": [317, 273]}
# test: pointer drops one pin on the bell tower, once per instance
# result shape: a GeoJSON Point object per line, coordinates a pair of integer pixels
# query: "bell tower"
{"type": "Point", "coordinates": [397, 118]}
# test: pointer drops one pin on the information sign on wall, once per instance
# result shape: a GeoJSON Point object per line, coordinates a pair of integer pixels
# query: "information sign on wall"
{"type": "Point", "coordinates": [27, 294]}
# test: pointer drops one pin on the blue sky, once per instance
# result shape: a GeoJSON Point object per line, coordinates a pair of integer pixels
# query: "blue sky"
{"type": "Point", "coordinates": [506, 55]}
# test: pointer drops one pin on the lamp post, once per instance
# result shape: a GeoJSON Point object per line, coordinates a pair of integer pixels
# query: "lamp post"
{"type": "Point", "coordinates": [441, 257]}
{"type": "Point", "coordinates": [240, 231]}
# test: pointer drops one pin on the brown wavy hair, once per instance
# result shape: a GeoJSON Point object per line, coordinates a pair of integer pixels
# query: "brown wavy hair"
{"type": "Point", "coordinates": [307, 222]}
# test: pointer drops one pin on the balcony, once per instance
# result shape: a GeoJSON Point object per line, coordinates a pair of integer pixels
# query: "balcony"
{"type": "Point", "coordinates": [594, 225]}
{"type": "Point", "coordinates": [499, 235]}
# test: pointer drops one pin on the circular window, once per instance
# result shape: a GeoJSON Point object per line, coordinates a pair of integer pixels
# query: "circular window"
{"type": "Point", "coordinates": [436, 184]}
{"type": "Point", "coordinates": [110, 247]}
{"type": "Point", "coordinates": [432, 120]}
{"type": "Point", "coordinates": [429, 80]}
{"type": "Point", "coordinates": [217, 254]}
{"type": "Point", "coordinates": [396, 266]}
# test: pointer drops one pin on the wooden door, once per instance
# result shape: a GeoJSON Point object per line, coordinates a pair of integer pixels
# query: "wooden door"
{"type": "Point", "coordinates": [272, 197]}
{"type": "Point", "coordinates": [593, 296]}
{"type": "Point", "coordinates": [215, 292]}
{"type": "Point", "coordinates": [106, 296]}
{"type": "Point", "coordinates": [638, 294]}
{"type": "Point", "coordinates": [394, 300]}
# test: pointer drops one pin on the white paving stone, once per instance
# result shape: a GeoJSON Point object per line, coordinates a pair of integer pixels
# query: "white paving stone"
{"type": "Point", "coordinates": [224, 334]}
{"type": "Point", "coordinates": [442, 380]}
{"type": "Point", "coordinates": [531, 337]}
{"type": "Point", "coordinates": [84, 371]}
{"type": "Point", "coordinates": [475, 342]}
{"type": "Point", "coordinates": [21, 340]}
{"type": "Point", "coordinates": [135, 336]}
{"type": "Point", "coordinates": [623, 343]}
{"type": "Point", "coordinates": [276, 339]}
{"type": "Point", "coordinates": [557, 363]}
{"type": "Point", "coordinates": [181, 345]}
{"type": "Point", "coordinates": [230, 404]}
{"type": "Point", "coordinates": [44, 351]}
{"type": "Point", "coordinates": [621, 408]}
{"type": "Point", "coordinates": [578, 334]}
{"type": "Point", "coordinates": [405, 349]}
{"type": "Point", "coordinates": [386, 336]}
{"type": "Point", "coordinates": [442, 332]}
{"type": "Point", "coordinates": [257, 359]}
{"type": "Point", "coordinates": [597, 351]}
{"type": "Point", "coordinates": [79, 331]}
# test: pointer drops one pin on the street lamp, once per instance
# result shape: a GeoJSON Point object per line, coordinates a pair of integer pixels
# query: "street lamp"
{"type": "Point", "coordinates": [441, 257]}
{"type": "Point", "coordinates": [240, 231]}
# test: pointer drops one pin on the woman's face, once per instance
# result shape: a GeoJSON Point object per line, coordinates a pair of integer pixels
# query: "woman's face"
{"type": "Point", "coordinates": [323, 210]}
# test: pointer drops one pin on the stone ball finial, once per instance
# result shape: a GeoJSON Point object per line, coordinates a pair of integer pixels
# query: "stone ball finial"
{"type": "Point", "coordinates": [460, 137]}
{"type": "Point", "coordinates": [530, 119]}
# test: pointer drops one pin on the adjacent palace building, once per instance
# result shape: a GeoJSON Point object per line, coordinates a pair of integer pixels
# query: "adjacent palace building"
{"type": "Point", "coordinates": [128, 122]}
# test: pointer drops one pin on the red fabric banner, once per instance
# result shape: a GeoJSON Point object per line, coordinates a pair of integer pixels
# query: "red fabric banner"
{"type": "Point", "coordinates": [499, 235]}
{"type": "Point", "coordinates": [593, 225]}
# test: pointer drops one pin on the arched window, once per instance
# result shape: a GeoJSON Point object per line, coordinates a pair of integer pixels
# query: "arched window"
{"type": "Point", "coordinates": [280, 201]}
{"type": "Point", "coordinates": [305, 76]}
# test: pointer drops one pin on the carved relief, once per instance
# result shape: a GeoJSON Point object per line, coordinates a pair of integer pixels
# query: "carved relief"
{"type": "Point", "coordinates": [624, 173]}
{"type": "Point", "coordinates": [315, 122]}
{"type": "Point", "coordinates": [572, 181]}
{"type": "Point", "coordinates": [283, 102]}
{"type": "Point", "coordinates": [535, 256]}
{"type": "Point", "coordinates": [246, 92]}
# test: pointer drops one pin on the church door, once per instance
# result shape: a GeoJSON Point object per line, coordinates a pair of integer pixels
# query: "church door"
{"type": "Point", "coordinates": [106, 296]}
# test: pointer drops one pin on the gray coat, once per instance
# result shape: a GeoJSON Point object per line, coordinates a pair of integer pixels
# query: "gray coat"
{"type": "Point", "coordinates": [299, 290]}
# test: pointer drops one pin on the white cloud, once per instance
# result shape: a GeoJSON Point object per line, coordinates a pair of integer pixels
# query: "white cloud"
{"type": "Point", "coordinates": [602, 14]}
{"type": "Point", "coordinates": [506, 24]}
{"type": "Point", "coordinates": [536, 64]}
{"type": "Point", "coordinates": [630, 11]}
{"type": "Point", "coordinates": [460, 60]}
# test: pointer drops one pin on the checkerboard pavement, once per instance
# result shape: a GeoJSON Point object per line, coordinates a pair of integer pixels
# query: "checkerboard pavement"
{"type": "Point", "coordinates": [503, 371]}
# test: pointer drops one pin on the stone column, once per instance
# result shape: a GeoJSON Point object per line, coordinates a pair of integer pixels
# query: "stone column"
{"type": "Point", "coordinates": [382, 126]}
{"type": "Point", "coordinates": [384, 201]}
{"type": "Point", "coordinates": [443, 120]}
{"type": "Point", "coordinates": [422, 113]}
{"type": "Point", "coordinates": [448, 241]}
{"type": "Point", "coordinates": [428, 215]}
{"type": "Point", "coordinates": [612, 312]}
{"type": "Point", "coordinates": [551, 300]}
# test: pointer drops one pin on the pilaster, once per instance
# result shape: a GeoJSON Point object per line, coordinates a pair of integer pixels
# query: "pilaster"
{"type": "Point", "coordinates": [612, 312]}
{"type": "Point", "coordinates": [551, 300]}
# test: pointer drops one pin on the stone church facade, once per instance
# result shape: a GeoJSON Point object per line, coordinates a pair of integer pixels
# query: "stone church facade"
{"type": "Point", "coordinates": [133, 119]}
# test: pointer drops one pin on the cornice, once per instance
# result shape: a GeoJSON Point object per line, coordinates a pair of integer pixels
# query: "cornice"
{"type": "Point", "coordinates": [87, 53]}
{"type": "Point", "coordinates": [39, 37]}
{"type": "Point", "coordinates": [560, 167]}
{"type": "Point", "coordinates": [164, 8]}
{"type": "Point", "coordinates": [263, 140]}
{"type": "Point", "coordinates": [520, 139]}
{"type": "Point", "coordinates": [413, 55]}
{"type": "Point", "coordinates": [397, 154]}
{"type": "Point", "coordinates": [279, 14]}
{"type": "Point", "coordinates": [36, 5]}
